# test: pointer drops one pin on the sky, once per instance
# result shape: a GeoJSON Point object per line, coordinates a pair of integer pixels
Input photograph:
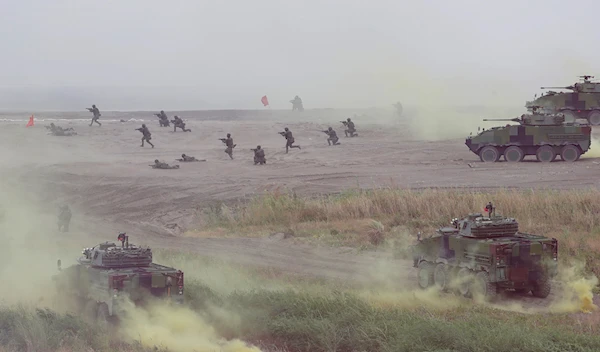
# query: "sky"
{"type": "Point", "coordinates": [195, 54]}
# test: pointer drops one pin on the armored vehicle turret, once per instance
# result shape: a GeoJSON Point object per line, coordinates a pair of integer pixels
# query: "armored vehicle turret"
{"type": "Point", "coordinates": [486, 254]}
{"type": "Point", "coordinates": [583, 102]}
{"type": "Point", "coordinates": [108, 275]}
{"type": "Point", "coordinates": [539, 134]}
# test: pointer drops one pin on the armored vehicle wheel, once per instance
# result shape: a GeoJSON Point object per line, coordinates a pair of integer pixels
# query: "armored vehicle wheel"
{"type": "Point", "coordinates": [514, 154]}
{"type": "Point", "coordinates": [425, 275]}
{"type": "Point", "coordinates": [570, 153]}
{"type": "Point", "coordinates": [542, 288]}
{"type": "Point", "coordinates": [441, 276]}
{"type": "Point", "coordinates": [594, 118]}
{"type": "Point", "coordinates": [102, 315]}
{"type": "Point", "coordinates": [545, 154]}
{"type": "Point", "coordinates": [489, 154]}
{"type": "Point", "coordinates": [482, 285]}
{"type": "Point", "coordinates": [464, 278]}
{"type": "Point", "coordinates": [569, 116]}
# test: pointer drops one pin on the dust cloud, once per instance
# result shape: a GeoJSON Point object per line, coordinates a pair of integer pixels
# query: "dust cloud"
{"type": "Point", "coordinates": [178, 328]}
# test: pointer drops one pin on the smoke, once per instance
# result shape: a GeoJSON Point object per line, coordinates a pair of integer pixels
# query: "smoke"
{"type": "Point", "coordinates": [178, 328]}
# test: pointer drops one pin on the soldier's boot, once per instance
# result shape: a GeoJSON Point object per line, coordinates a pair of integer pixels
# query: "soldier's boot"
{"type": "Point", "coordinates": [151, 144]}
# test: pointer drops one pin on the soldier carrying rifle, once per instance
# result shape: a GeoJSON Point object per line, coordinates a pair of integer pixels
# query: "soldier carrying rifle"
{"type": "Point", "coordinates": [259, 155]}
{"type": "Point", "coordinates": [333, 138]}
{"type": "Point", "coordinates": [290, 140]}
{"type": "Point", "coordinates": [351, 129]}
{"type": "Point", "coordinates": [229, 143]}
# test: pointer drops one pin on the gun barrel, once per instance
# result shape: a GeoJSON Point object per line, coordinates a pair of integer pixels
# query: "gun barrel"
{"type": "Point", "coordinates": [568, 87]}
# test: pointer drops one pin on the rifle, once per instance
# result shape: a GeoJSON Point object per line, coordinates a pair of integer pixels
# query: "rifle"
{"type": "Point", "coordinates": [90, 109]}
{"type": "Point", "coordinates": [344, 122]}
{"type": "Point", "coordinates": [326, 132]}
{"type": "Point", "coordinates": [254, 149]}
{"type": "Point", "coordinates": [282, 133]}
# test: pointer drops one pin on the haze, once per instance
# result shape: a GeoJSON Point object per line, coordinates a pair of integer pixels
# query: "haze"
{"type": "Point", "coordinates": [191, 54]}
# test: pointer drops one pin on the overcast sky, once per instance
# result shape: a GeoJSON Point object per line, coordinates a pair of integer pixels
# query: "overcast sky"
{"type": "Point", "coordinates": [186, 54]}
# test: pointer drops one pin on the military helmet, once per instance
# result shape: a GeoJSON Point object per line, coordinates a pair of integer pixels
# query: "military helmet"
{"type": "Point", "coordinates": [94, 105]}
{"type": "Point", "coordinates": [162, 111]}
{"type": "Point", "coordinates": [143, 125]}
{"type": "Point", "coordinates": [348, 119]}
{"type": "Point", "coordinates": [228, 135]}
{"type": "Point", "coordinates": [183, 155]}
{"type": "Point", "coordinates": [330, 128]}
{"type": "Point", "coordinates": [258, 147]}
{"type": "Point", "coordinates": [156, 161]}
{"type": "Point", "coordinates": [286, 129]}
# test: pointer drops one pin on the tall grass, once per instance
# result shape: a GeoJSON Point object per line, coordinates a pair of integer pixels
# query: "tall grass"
{"type": "Point", "coordinates": [570, 216]}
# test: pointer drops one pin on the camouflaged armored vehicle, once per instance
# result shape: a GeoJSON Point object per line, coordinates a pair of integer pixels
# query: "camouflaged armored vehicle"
{"type": "Point", "coordinates": [583, 102]}
{"type": "Point", "coordinates": [486, 254]}
{"type": "Point", "coordinates": [107, 275]}
{"type": "Point", "coordinates": [542, 135]}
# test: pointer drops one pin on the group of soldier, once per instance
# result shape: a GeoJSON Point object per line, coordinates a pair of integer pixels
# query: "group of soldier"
{"type": "Point", "coordinates": [259, 153]}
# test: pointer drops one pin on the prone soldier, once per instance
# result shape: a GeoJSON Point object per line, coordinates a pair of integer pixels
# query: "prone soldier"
{"type": "Point", "coordinates": [290, 140]}
{"type": "Point", "coordinates": [187, 158]}
{"type": "Point", "coordinates": [161, 165]}
{"type": "Point", "coordinates": [259, 155]}
{"type": "Point", "coordinates": [146, 135]}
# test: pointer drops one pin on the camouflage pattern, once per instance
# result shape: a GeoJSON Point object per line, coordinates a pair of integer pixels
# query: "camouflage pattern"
{"type": "Point", "coordinates": [542, 135]}
{"type": "Point", "coordinates": [108, 275]}
{"type": "Point", "coordinates": [486, 254]}
{"type": "Point", "coordinates": [160, 165]}
{"type": "Point", "coordinates": [583, 102]}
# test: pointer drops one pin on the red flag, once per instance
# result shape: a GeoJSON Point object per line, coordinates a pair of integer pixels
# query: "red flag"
{"type": "Point", "coordinates": [30, 123]}
{"type": "Point", "coordinates": [264, 100]}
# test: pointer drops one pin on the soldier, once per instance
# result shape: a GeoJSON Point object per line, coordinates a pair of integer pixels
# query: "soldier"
{"type": "Point", "coordinates": [160, 165]}
{"type": "Point", "coordinates": [351, 129]}
{"type": "Point", "coordinates": [146, 135]}
{"type": "Point", "coordinates": [332, 136]}
{"type": "Point", "coordinates": [59, 131]}
{"type": "Point", "coordinates": [297, 104]}
{"type": "Point", "coordinates": [259, 156]}
{"type": "Point", "coordinates": [163, 120]}
{"type": "Point", "coordinates": [64, 218]}
{"type": "Point", "coordinates": [177, 122]}
{"type": "Point", "coordinates": [187, 158]}
{"type": "Point", "coordinates": [290, 140]}
{"type": "Point", "coordinates": [229, 143]}
{"type": "Point", "coordinates": [96, 113]}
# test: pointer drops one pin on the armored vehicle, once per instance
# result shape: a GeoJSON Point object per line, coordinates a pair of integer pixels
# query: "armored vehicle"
{"type": "Point", "coordinates": [542, 135]}
{"type": "Point", "coordinates": [107, 276]}
{"type": "Point", "coordinates": [486, 254]}
{"type": "Point", "coordinates": [583, 102]}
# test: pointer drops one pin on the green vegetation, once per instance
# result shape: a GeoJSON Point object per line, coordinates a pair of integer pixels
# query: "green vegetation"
{"type": "Point", "coordinates": [292, 320]}
{"type": "Point", "coordinates": [281, 313]}
{"type": "Point", "coordinates": [347, 219]}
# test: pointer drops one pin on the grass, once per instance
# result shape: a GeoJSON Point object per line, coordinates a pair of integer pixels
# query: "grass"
{"type": "Point", "coordinates": [347, 219]}
{"type": "Point", "coordinates": [280, 313]}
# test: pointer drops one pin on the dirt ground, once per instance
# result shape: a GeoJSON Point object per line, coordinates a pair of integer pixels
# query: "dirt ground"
{"type": "Point", "coordinates": [103, 174]}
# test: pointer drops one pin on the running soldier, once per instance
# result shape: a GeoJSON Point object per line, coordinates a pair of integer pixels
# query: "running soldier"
{"type": "Point", "coordinates": [146, 135]}
{"type": "Point", "coordinates": [229, 143]}
{"type": "Point", "coordinates": [290, 140]}
{"type": "Point", "coordinates": [96, 113]}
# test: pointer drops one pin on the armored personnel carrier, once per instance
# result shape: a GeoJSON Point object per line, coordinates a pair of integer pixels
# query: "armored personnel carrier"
{"type": "Point", "coordinates": [107, 275]}
{"type": "Point", "coordinates": [539, 134]}
{"type": "Point", "coordinates": [486, 254]}
{"type": "Point", "coordinates": [583, 102]}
